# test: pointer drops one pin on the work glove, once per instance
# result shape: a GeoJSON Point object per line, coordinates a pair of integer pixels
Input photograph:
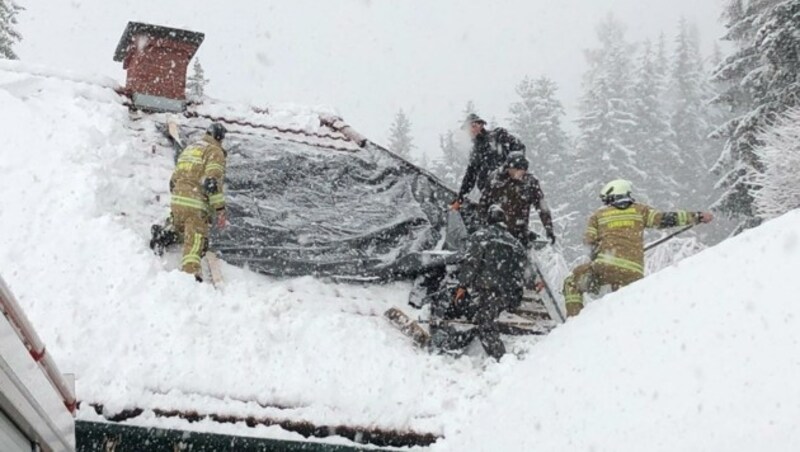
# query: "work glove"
{"type": "Point", "coordinates": [455, 205]}
{"type": "Point", "coordinates": [705, 217]}
{"type": "Point", "coordinates": [551, 236]}
{"type": "Point", "coordinates": [222, 219]}
{"type": "Point", "coordinates": [460, 294]}
{"type": "Point", "coordinates": [210, 186]}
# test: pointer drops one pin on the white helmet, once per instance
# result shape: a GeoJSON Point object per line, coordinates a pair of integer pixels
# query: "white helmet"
{"type": "Point", "coordinates": [619, 189]}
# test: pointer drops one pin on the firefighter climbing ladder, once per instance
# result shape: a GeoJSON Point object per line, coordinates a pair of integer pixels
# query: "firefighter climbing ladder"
{"type": "Point", "coordinates": [210, 258]}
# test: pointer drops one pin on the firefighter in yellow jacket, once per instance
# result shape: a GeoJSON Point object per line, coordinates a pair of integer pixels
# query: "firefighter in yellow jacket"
{"type": "Point", "coordinates": [196, 186]}
{"type": "Point", "coordinates": [615, 234]}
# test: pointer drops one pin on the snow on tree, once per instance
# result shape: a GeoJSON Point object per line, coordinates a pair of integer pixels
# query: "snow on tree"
{"type": "Point", "coordinates": [8, 33]}
{"type": "Point", "coordinates": [607, 122]}
{"type": "Point", "coordinates": [670, 252]}
{"type": "Point", "coordinates": [536, 120]}
{"type": "Point", "coordinates": [196, 83]}
{"type": "Point", "coordinates": [654, 137]}
{"type": "Point", "coordinates": [451, 166]}
{"type": "Point", "coordinates": [779, 186]}
{"type": "Point", "coordinates": [661, 62]}
{"type": "Point", "coordinates": [690, 94]}
{"type": "Point", "coordinates": [762, 81]}
{"type": "Point", "coordinates": [400, 141]}
{"type": "Point", "coordinates": [456, 147]}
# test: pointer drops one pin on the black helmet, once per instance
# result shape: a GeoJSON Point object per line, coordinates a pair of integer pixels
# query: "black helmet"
{"type": "Point", "coordinates": [517, 160]}
{"type": "Point", "coordinates": [472, 118]}
{"type": "Point", "coordinates": [217, 131]}
{"type": "Point", "coordinates": [495, 215]}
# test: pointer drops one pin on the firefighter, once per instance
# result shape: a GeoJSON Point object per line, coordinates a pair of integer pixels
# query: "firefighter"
{"type": "Point", "coordinates": [489, 151]}
{"type": "Point", "coordinates": [196, 186]}
{"type": "Point", "coordinates": [490, 281]}
{"type": "Point", "coordinates": [615, 234]}
{"type": "Point", "coordinates": [515, 191]}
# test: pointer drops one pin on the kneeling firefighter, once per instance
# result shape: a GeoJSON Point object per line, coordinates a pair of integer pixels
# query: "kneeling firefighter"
{"type": "Point", "coordinates": [196, 187]}
{"type": "Point", "coordinates": [615, 234]}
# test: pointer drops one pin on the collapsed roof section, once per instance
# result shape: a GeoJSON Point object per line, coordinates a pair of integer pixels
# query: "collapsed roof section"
{"type": "Point", "coordinates": [320, 199]}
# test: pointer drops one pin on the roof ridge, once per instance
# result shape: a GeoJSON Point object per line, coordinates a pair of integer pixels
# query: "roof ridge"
{"type": "Point", "coordinates": [243, 122]}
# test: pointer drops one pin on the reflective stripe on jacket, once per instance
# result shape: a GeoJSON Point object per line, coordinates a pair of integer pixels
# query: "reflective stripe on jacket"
{"type": "Point", "coordinates": [617, 234]}
{"type": "Point", "coordinates": [202, 160]}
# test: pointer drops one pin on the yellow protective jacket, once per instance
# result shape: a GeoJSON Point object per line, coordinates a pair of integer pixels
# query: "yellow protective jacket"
{"type": "Point", "coordinates": [616, 234]}
{"type": "Point", "coordinates": [200, 162]}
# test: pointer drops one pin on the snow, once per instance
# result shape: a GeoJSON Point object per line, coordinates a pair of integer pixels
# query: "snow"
{"type": "Point", "coordinates": [699, 356]}
{"type": "Point", "coordinates": [83, 179]}
{"type": "Point", "coordinates": [284, 115]}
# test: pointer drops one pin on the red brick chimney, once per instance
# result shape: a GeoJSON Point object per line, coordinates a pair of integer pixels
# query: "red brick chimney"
{"type": "Point", "coordinates": [156, 59]}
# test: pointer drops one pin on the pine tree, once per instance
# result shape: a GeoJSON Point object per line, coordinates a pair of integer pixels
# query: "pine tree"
{"type": "Point", "coordinates": [196, 83]}
{"type": "Point", "coordinates": [690, 94]}
{"type": "Point", "coordinates": [654, 138]}
{"type": "Point", "coordinates": [400, 141]}
{"type": "Point", "coordinates": [779, 187]}
{"type": "Point", "coordinates": [661, 63]}
{"type": "Point", "coordinates": [453, 163]}
{"type": "Point", "coordinates": [607, 123]}
{"type": "Point", "coordinates": [8, 34]}
{"type": "Point", "coordinates": [761, 80]}
{"type": "Point", "coordinates": [536, 120]}
{"type": "Point", "coordinates": [716, 55]}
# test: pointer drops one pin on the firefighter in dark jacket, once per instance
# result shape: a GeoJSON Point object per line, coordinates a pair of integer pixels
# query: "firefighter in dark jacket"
{"type": "Point", "coordinates": [515, 191]}
{"type": "Point", "coordinates": [490, 281]}
{"type": "Point", "coordinates": [615, 234]}
{"type": "Point", "coordinates": [489, 151]}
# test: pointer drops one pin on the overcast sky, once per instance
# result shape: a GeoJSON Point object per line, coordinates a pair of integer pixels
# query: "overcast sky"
{"type": "Point", "coordinates": [366, 58]}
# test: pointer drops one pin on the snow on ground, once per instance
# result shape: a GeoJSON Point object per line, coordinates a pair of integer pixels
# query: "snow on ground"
{"type": "Point", "coordinates": [701, 356]}
{"type": "Point", "coordinates": [82, 180]}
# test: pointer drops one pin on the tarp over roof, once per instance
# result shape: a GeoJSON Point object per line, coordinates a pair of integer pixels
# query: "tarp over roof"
{"type": "Point", "coordinates": [301, 208]}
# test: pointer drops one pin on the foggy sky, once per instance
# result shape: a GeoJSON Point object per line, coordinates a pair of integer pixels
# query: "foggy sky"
{"type": "Point", "coordinates": [366, 58]}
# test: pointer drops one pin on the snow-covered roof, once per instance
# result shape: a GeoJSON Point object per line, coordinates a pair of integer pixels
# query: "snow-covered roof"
{"type": "Point", "coordinates": [699, 356]}
{"type": "Point", "coordinates": [294, 123]}
{"type": "Point", "coordinates": [84, 180]}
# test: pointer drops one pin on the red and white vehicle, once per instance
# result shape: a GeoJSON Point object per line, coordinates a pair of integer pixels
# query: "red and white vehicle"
{"type": "Point", "coordinates": [37, 404]}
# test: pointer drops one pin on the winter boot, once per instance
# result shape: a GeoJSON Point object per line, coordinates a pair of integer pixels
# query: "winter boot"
{"type": "Point", "coordinates": [491, 342]}
{"type": "Point", "coordinates": [161, 237]}
{"type": "Point", "coordinates": [446, 339]}
{"type": "Point", "coordinates": [439, 336]}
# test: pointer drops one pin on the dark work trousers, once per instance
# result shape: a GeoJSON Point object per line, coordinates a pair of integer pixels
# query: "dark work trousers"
{"type": "Point", "coordinates": [480, 308]}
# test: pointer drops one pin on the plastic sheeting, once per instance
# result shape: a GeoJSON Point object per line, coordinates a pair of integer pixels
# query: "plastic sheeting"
{"type": "Point", "coordinates": [298, 209]}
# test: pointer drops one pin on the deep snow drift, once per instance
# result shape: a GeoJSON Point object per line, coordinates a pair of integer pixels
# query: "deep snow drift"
{"type": "Point", "coordinates": [702, 356]}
